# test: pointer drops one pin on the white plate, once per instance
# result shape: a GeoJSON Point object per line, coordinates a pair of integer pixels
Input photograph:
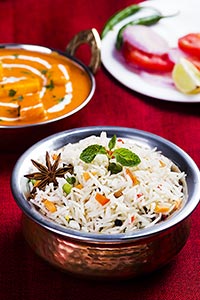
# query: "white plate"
{"type": "Point", "coordinates": [171, 29]}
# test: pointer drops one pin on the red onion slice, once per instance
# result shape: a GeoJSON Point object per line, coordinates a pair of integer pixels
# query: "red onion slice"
{"type": "Point", "coordinates": [175, 54]}
{"type": "Point", "coordinates": [145, 39]}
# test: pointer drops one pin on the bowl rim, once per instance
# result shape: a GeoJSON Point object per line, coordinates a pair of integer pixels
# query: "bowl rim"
{"type": "Point", "coordinates": [55, 142]}
{"type": "Point", "coordinates": [48, 50]}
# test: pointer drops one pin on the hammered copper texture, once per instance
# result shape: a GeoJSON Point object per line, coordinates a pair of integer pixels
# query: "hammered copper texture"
{"type": "Point", "coordinates": [106, 260]}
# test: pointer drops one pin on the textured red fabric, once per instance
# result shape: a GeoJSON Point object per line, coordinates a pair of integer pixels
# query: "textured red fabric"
{"type": "Point", "coordinates": [23, 275]}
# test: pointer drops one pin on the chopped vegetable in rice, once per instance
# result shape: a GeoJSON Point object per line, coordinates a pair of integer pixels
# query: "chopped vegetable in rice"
{"type": "Point", "coordinates": [106, 185]}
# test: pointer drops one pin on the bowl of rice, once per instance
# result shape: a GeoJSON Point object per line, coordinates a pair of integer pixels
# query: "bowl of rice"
{"type": "Point", "coordinates": [106, 202]}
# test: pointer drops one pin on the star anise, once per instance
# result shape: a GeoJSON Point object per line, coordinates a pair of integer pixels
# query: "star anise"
{"type": "Point", "coordinates": [47, 173]}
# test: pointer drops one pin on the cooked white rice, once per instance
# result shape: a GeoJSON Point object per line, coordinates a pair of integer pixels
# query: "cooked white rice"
{"type": "Point", "coordinates": [157, 193]}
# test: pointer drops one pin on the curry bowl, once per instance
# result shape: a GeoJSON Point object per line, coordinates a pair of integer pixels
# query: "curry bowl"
{"type": "Point", "coordinates": [102, 255]}
{"type": "Point", "coordinates": [40, 86]}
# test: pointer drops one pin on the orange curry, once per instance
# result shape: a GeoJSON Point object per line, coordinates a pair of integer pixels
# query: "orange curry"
{"type": "Point", "coordinates": [36, 87]}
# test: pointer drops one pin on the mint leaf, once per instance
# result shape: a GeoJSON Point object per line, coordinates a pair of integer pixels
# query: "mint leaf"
{"type": "Point", "coordinates": [126, 157]}
{"type": "Point", "coordinates": [112, 142]}
{"type": "Point", "coordinates": [89, 153]}
{"type": "Point", "coordinates": [114, 168]}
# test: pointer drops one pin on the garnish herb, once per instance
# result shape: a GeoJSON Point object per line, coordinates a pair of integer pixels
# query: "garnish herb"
{"type": "Point", "coordinates": [15, 55]}
{"type": "Point", "coordinates": [126, 157]}
{"type": "Point", "coordinates": [89, 153]}
{"type": "Point", "coordinates": [11, 93]}
{"type": "Point", "coordinates": [50, 86]}
{"type": "Point", "coordinates": [19, 98]}
{"type": "Point", "coordinates": [114, 168]}
{"type": "Point", "coordinates": [112, 142]}
{"type": "Point", "coordinates": [123, 156]}
{"type": "Point", "coordinates": [44, 72]}
{"type": "Point", "coordinates": [26, 72]}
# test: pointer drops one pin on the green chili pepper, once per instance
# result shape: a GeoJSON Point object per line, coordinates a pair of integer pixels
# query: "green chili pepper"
{"type": "Point", "coordinates": [119, 16]}
{"type": "Point", "coordinates": [148, 21]}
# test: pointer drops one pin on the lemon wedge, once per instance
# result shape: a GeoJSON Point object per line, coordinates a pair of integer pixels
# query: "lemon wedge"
{"type": "Point", "coordinates": [186, 76]}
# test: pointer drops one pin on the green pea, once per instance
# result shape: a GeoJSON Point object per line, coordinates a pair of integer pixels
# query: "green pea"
{"type": "Point", "coordinates": [67, 188]}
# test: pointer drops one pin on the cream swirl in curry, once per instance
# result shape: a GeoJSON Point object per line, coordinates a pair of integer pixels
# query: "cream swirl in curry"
{"type": "Point", "coordinates": [35, 86]}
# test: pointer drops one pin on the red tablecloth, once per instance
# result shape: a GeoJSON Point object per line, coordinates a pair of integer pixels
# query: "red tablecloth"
{"type": "Point", "coordinates": [23, 275]}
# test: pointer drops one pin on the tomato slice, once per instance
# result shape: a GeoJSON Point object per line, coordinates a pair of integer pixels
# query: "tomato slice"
{"type": "Point", "coordinates": [195, 61]}
{"type": "Point", "coordinates": [190, 44]}
{"type": "Point", "coordinates": [147, 61]}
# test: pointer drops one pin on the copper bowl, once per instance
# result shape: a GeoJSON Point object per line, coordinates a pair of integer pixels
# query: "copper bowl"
{"type": "Point", "coordinates": [101, 255]}
{"type": "Point", "coordinates": [20, 137]}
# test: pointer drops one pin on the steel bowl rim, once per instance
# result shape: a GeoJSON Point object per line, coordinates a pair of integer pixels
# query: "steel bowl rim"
{"type": "Point", "coordinates": [75, 60]}
{"type": "Point", "coordinates": [168, 224]}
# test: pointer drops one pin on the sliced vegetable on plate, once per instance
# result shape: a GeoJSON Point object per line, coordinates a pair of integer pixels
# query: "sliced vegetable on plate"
{"type": "Point", "coordinates": [121, 15]}
{"type": "Point", "coordinates": [190, 44]}
{"type": "Point", "coordinates": [186, 76]}
{"type": "Point", "coordinates": [149, 53]}
{"type": "Point", "coordinates": [146, 53]}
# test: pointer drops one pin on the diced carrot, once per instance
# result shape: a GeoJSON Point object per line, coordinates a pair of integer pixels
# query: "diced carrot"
{"type": "Point", "coordinates": [178, 203]}
{"type": "Point", "coordinates": [101, 199]}
{"type": "Point", "coordinates": [54, 156]}
{"type": "Point", "coordinates": [118, 193]}
{"type": "Point", "coordinates": [79, 186]}
{"type": "Point", "coordinates": [86, 176]}
{"type": "Point", "coordinates": [132, 219]}
{"type": "Point", "coordinates": [162, 164]}
{"type": "Point", "coordinates": [161, 209]}
{"type": "Point", "coordinates": [49, 205]}
{"type": "Point", "coordinates": [132, 176]}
